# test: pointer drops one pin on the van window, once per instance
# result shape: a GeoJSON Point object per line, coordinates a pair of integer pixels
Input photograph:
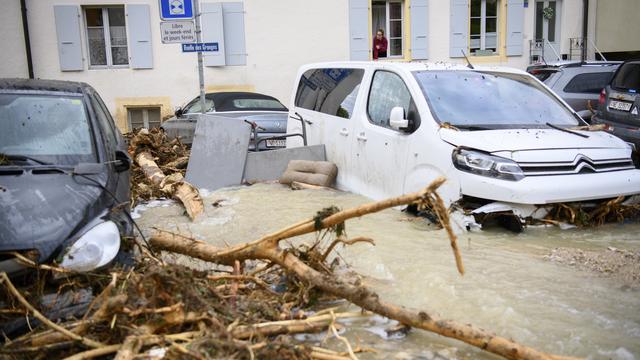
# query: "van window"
{"type": "Point", "coordinates": [588, 83]}
{"type": "Point", "coordinates": [388, 91]}
{"type": "Point", "coordinates": [330, 91]}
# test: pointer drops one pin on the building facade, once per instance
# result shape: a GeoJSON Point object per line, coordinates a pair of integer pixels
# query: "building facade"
{"type": "Point", "coordinates": [116, 45]}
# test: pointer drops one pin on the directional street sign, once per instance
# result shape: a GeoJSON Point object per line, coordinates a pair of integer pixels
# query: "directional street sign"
{"type": "Point", "coordinates": [200, 47]}
{"type": "Point", "coordinates": [177, 32]}
{"type": "Point", "coordinates": [176, 9]}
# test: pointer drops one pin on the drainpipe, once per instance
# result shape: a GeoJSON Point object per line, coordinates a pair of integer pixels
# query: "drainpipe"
{"type": "Point", "coordinates": [585, 28]}
{"type": "Point", "coordinates": [27, 42]}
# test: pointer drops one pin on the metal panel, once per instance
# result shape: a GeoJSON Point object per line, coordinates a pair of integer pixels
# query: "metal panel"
{"type": "Point", "coordinates": [140, 48]}
{"type": "Point", "coordinates": [419, 29]}
{"type": "Point", "coordinates": [233, 19]}
{"type": "Point", "coordinates": [68, 30]}
{"type": "Point", "coordinates": [515, 23]}
{"type": "Point", "coordinates": [219, 152]}
{"type": "Point", "coordinates": [213, 31]}
{"type": "Point", "coordinates": [359, 29]}
{"type": "Point", "coordinates": [270, 165]}
{"type": "Point", "coordinates": [459, 28]}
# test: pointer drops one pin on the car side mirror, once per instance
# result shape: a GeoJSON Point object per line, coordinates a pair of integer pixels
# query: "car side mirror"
{"type": "Point", "coordinates": [397, 120]}
{"type": "Point", "coordinates": [123, 161]}
{"type": "Point", "coordinates": [179, 112]}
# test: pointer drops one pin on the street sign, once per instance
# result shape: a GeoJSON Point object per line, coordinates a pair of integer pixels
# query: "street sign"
{"type": "Point", "coordinates": [176, 9]}
{"type": "Point", "coordinates": [200, 47]}
{"type": "Point", "coordinates": [177, 32]}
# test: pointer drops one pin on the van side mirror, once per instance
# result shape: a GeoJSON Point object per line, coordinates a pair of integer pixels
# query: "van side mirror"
{"type": "Point", "coordinates": [397, 120]}
{"type": "Point", "coordinates": [179, 112]}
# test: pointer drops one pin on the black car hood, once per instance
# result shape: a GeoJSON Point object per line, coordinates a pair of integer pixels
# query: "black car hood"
{"type": "Point", "coordinates": [41, 209]}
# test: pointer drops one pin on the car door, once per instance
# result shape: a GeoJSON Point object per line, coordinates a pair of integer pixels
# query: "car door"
{"type": "Point", "coordinates": [379, 152]}
{"type": "Point", "coordinates": [326, 99]}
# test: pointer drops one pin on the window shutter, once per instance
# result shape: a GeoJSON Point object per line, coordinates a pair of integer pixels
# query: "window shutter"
{"type": "Point", "coordinates": [359, 29]}
{"type": "Point", "coordinates": [212, 25]}
{"type": "Point", "coordinates": [140, 48]}
{"type": "Point", "coordinates": [233, 19]}
{"type": "Point", "coordinates": [515, 19]}
{"type": "Point", "coordinates": [419, 29]}
{"type": "Point", "coordinates": [68, 31]}
{"type": "Point", "coordinates": [459, 33]}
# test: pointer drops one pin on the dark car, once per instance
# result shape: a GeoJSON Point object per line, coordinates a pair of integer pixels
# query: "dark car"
{"type": "Point", "coordinates": [64, 179]}
{"type": "Point", "coordinates": [266, 112]}
{"type": "Point", "coordinates": [577, 82]}
{"type": "Point", "coordinates": [620, 104]}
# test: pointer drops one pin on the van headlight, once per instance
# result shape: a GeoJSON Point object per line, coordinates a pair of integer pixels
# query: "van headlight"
{"type": "Point", "coordinates": [95, 248]}
{"type": "Point", "coordinates": [480, 163]}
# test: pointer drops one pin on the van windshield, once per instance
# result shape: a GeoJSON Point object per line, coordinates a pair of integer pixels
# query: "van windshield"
{"type": "Point", "coordinates": [479, 100]}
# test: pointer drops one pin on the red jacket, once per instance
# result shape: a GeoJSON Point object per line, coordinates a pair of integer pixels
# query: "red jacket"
{"type": "Point", "coordinates": [383, 46]}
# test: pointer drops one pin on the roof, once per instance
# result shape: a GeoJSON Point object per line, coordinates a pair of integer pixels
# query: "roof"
{"type": "Point", "coordinates": [573, 63]}
{"type": "Point", "coordinates": [411, 66]}
{"type": "Point", "coordinates": [43, 85]}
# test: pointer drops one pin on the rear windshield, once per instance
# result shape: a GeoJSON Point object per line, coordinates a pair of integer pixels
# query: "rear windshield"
{"type": "Point", "coordinates": [477, 99]}
{"type": "Point", "coordinates": [53, 129]}
{"type": "Point", "coordinates": [627, 78]}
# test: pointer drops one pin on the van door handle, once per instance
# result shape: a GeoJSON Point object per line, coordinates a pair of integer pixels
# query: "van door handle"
{"type": "Point", "coordinates": [344, 132]}
{"type": "Point", "coordinates": [361, 137]}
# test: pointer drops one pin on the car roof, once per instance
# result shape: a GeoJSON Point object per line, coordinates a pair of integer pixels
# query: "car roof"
{"type": "Point", "coordinates": [43, 85]}
{"type": "Point", "coordinates": [410, 66]}
{"type": "Point", "coordinates": [573, 63]}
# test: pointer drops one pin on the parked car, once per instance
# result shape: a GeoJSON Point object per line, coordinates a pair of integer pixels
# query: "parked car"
{"type": "Point", "coordinates": [64, 176]}
{"type": "Point", "coordinates": [576, 82]}
{"type": "Point", "coordinates": [497, 135]}
{"type": "Point", "coordinates": [620, 104]}
{"type": "Point", "coordinates": [266, 112]}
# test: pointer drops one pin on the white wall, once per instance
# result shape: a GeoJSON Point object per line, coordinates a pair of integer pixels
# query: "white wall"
{"type": "Point", "coordinates": [13, 56]}
{"type": "Point", "coordinates": [618, 25]}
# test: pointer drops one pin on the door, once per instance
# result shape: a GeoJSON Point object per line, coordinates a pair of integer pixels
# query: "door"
{"type": "Point", "coordinates": [379, 153]}
{"type": "Point", "coordinates": [547, 28]}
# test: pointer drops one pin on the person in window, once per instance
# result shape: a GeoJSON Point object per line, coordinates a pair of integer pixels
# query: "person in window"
{"type": "Point", "coordinates": [379, 45]}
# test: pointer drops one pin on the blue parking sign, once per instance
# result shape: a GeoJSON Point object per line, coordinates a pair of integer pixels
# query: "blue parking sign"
{"type": "Point", "coordinates": [176, 9]}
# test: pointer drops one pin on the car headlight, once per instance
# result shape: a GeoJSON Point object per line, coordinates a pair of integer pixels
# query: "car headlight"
{"type": "Point", "coordinates": [479, 163]}
{"type": "Point", "coordinates": [95, 248]}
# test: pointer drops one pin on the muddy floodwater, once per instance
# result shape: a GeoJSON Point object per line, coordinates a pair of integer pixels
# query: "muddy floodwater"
{"type": "Point", "coordinates": [510, 286]}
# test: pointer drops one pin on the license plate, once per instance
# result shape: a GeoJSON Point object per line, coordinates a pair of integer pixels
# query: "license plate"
{"type": "Point", "coordinates": [277, 143]}
{"type": "Point", "coordinates": [619, 105]}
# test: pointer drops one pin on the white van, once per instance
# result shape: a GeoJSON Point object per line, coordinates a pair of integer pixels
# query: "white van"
{"type": "Point", "coordinates": [501, 138]}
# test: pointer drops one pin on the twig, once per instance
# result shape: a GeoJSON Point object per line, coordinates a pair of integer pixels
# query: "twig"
{"type": "Point", "coordinates": [254, 279]}
{"type": "Point", "coordinates": [346, 242]}
{"type": "Point", "coordinates": [332, 327]}
{"type": "Point", "coordinates": [166, 309]}
{"type": "Point", "coordinates": [4, 278]}
{"type": "Point", "coordinates": [26, 261]}
{"type": "Point", "coordinates": [94, 353]}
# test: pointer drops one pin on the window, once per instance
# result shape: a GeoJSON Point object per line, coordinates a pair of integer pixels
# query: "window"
{"type": "Point", "coordinates": [627, 77]}
{"type": "Point", "coordinates": [330, 91]}
{"type": "Point", "coordinates": [387, 91]}
{"type": "Point", "coordinates": [389, 16]}
{"type": "Point", "coordinates": [144, 117]}
{"type": "Point", "coordinates": [194, 106]}
{"type": "Point", "coordinates": [483, 35]}
{"type": "Point", "coordinates": [589, 83]}
{"type": "Point", "coordinates": [106, 36]}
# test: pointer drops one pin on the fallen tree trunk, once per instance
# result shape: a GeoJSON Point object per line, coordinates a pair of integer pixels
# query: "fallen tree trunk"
{"type": "Point", "coordinates": [267, 248]}
{"type": "Point", "coordinates": [182, 190]}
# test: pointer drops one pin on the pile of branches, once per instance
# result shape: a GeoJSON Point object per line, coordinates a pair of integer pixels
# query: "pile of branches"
{"type": "Point", "coordinates": [270, 288]}
{"type": "Point", "coordinates": [158, 170]}
{"type": "Point", "coordinates": [581, 215]}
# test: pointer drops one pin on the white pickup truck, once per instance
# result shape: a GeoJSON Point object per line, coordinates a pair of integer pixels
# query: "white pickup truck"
{"type": "Point", "coordinates": [499, 136]}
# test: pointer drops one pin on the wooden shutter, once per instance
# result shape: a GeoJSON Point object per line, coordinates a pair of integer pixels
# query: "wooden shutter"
{"type": "Point", "coordinates": [359, 45]}
{"type": "Point", "coordinates": [234, 39]}
{"type": "Point", "coordinates": [140, 46]}
{"type": "Point", "coordinates": [419, 29]}
{"type": "Point", "coordinates": [67, 19]}
{"type": "Point", "coordinates": [213, 31]}
{"type": "Point", "coordinates": [459, 28]}
{"type": "Point", "coordinates": [515, 20]}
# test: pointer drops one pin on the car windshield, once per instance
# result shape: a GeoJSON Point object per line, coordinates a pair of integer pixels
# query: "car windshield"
{"type": "Point", "coordinates": [49, 128]}
{"type": "Point", "coordinates": [628, 77]}
{"type": "Point", "coordinates": [491, 100]}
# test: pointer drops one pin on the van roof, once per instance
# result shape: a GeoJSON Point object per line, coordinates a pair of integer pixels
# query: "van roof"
{"type": "Point", "coordinates": [409, 66]}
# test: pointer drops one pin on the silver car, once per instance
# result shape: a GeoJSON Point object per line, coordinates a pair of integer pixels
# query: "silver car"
{"type": "Point", "coordinates": [265, 114]}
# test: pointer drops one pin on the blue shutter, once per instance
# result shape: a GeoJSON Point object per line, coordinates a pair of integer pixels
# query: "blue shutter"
{"type": "Point", "coordinates": [68, 31]}
{"type": "Point", "coordinates": [213, 31]}
{"type": "Point", "coordinates": [419, 29]}
{"type": "Point", "coordinates": [459, 28]}
{"type": "Point", "coordinates": [515, 20]}
{"type": "Point", "coordinates": [359, 29]}
{"type": "Point", "coordinates": [233, 19]}
{"type": "Point", "coordinates": [140, 48]}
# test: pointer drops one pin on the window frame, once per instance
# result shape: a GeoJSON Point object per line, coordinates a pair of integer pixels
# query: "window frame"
{"type": "Point", "coordinates": [411, 103]}
{"type": "Point", "coordinates": [104, 9]}
{"type": "Point", "coordinates": [145, 116]}
{"type": "Point", "coordinates": [387, 23]}
{"type": "Point", "coordinates": [483, 28]}
{"type": "Point", "coordinates": [357, 89]}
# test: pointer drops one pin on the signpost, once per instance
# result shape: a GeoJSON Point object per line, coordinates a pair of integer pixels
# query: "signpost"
{"type": "Point", "coordinates": [177, 32]}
